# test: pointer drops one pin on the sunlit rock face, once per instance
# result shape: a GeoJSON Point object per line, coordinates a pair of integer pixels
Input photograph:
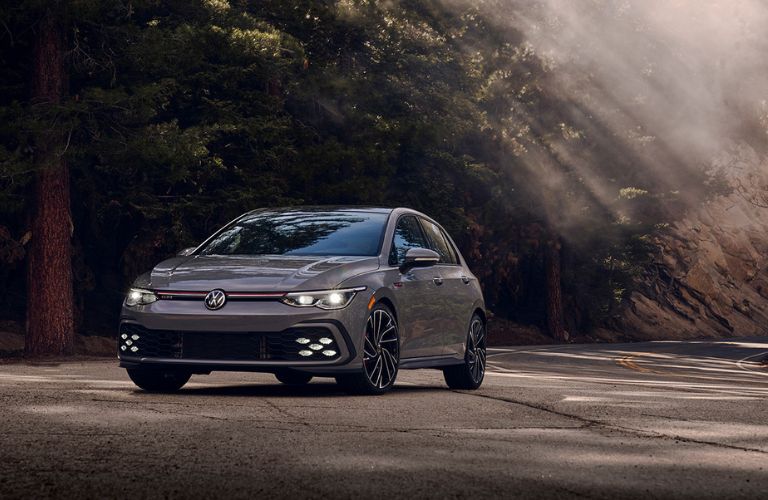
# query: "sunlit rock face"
{"type": "Point", "coordinates": [710, 277]}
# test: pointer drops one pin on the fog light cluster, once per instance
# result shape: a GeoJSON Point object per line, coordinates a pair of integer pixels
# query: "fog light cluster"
{"type": "Point", "coordinates": [323, 346]}
{"type": "Point", "coordinates": [127, 343]}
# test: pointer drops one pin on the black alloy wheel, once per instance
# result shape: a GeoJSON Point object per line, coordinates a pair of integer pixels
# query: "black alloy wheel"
{"type": "Point", "coordinates": [470, 374]}
{"type": "Point", "coordinates": [381, 355]}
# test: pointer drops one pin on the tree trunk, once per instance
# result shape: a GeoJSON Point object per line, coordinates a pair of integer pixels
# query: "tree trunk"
{"type": "Point", "coordinates": [552, 265]}
{"type": "Point", "coordinates": [50, 327]}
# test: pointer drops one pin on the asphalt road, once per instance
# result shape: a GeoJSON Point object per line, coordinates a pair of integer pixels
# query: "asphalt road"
{"type": "Point", "coordinates": [652, 420]}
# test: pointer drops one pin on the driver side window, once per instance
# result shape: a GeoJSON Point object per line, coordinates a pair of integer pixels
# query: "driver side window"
{"type": "Point", "coordinates": [408, 235]}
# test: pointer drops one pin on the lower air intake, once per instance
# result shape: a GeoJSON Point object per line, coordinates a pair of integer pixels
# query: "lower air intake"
{"type": "Point", "coordinates": [295, 344]}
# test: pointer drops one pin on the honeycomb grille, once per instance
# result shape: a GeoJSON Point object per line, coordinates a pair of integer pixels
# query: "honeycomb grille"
{"type": "Point", "coordinates": [294, 344]}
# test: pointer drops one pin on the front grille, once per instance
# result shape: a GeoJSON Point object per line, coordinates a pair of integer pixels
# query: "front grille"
{"type": "Point", "coordinates": [294, 344]}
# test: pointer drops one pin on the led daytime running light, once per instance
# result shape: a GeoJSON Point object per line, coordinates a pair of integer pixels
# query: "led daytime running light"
{"type": "Point", "coordinates": [139, 297]}
{"type": "Point", "coordinates": [324, 299]}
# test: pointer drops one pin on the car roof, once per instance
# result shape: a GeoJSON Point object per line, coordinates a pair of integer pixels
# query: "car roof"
{"type": "Point", "coordinates": [341, 208]}
{"type": "Point", "coordinates": [327, 208]}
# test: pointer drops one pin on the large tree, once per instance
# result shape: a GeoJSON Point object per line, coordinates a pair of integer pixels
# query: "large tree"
{"type": "Point", "coordinates": [50, 327]}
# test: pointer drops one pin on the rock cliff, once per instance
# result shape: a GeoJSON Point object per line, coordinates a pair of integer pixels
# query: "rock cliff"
{"type": "Point", "coordinates": [710, 276]}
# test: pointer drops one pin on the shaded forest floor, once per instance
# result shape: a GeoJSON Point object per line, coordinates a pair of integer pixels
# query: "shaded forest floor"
{"type": "Point", "coordinates": [12, 343]}
{"type": "Point", "coordinates": [504, 332]}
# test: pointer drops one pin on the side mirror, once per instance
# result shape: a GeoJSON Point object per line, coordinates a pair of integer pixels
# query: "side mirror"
{"type": "Point", "coordinates": [419, 257]}
{"type": "Point", "coordinates": [186, 252]}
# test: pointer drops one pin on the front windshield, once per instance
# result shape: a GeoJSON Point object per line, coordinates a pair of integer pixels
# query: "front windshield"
{"type": "Point", "coordinates": [343, 233]}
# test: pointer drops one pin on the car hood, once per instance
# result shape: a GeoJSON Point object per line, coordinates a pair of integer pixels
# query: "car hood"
{"type": "Point", "coordinates": [255, 273]}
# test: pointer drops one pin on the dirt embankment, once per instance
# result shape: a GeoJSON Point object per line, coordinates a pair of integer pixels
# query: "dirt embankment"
{"type": "Point", "coordinates": [710, 278]}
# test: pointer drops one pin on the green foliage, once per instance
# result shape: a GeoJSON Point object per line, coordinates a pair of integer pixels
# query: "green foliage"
{"type": "Point", "coordinates": [181, 115]}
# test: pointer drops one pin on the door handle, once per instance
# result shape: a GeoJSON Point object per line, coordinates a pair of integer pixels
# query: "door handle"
{"type": "Point", "coordinates": [466, 279]}
{"type": "Point", "coordinates": [438, 281]}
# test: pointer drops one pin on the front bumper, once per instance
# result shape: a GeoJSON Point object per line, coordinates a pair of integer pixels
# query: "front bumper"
{"type": "Point", "coordinates": [243, 336]}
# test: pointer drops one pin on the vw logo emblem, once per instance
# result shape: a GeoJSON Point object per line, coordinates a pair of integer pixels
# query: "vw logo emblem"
{"type": "Point", "coordinates": [215, 299]}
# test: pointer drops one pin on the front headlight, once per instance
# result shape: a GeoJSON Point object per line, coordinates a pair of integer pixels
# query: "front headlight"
{"type": "Point", "coordinates": [324, 299]}
{"type": "Point", "coordinates": [139, 297]}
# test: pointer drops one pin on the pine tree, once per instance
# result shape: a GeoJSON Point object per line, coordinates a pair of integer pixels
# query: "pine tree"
{"type": "Point", "coordinates": [50, 328]}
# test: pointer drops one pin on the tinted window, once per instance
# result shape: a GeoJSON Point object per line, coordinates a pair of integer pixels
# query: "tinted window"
{"type": "Point", "coordinates": [438, 242]}
{"type": "Point", "coordinates": [407, 235]}
{"type": "Point", "coordinates": [301, 233]}
{"type": "Point", "coordinates": [452, 248]}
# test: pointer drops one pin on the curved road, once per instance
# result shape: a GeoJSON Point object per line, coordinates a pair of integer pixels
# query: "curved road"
{"type": "Point", "coordinates": [649, 420]}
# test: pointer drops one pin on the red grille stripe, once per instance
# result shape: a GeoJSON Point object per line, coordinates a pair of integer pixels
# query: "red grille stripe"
{"type": "Point", "coordinates": [236, 295]}
{"type": "Point", "coordinates": [255, 294]}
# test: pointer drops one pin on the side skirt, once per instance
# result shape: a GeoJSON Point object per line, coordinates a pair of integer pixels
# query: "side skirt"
{"type": "Point", "coordinates": [429, 362]}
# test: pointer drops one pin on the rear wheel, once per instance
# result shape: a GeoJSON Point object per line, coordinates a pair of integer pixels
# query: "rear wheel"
{"type": "Point", "coordinates": [293, 378]}
{"type": "Point", "coordinates": [469, 375]}
{"type": "Point", "coordinates": [158, 380]}
{"type": "Point", "coordinates": [381, 355]}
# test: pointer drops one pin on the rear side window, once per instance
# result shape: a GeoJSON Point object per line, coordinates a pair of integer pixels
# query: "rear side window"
{"type": "Point", "coordinates": [408, 235]}
{"type": "Point", "coordinates": [439, 243]}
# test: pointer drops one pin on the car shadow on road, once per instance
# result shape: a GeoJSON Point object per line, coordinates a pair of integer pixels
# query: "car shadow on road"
{"type": "Point", "coordinates": [314, 390]}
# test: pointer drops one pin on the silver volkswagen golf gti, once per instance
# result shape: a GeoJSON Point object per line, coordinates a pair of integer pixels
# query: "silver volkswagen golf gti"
{"type": "Point", "coordinates": [351, 293]}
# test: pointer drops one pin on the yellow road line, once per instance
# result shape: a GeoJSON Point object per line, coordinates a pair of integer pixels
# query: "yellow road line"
{"type": "Point", "coordinates": [628, 362]}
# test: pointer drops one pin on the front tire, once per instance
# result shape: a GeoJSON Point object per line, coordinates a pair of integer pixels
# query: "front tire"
{"type": "Point", "coordinates": [470, 374]}
{"type": "Point", "coordinates": [381, 355]}
{"type": "Point", "coordinates": [158, 380]}
{"type": "Point", "coordinates": [293, 378]}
